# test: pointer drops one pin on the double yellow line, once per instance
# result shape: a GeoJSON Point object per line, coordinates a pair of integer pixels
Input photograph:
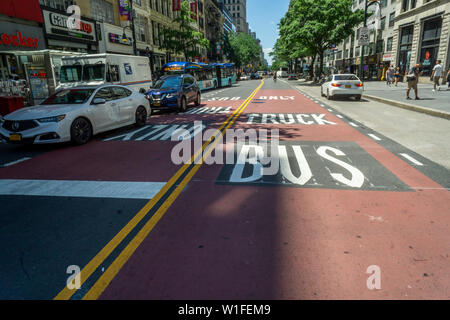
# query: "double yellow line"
{"type": "Point", "coordinates": [105, 279]}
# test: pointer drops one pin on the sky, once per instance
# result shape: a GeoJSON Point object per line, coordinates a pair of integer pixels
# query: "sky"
{"type": "Point", "coordinates": [263, 17]}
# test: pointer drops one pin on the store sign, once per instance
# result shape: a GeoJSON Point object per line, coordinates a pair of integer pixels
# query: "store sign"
{"type": "Point", "coordinates": [388, 57]}
{"type": "Point", "coordinates": [14, 36]}
{"type": "Point", "coordinates": [116, 38]}
{"type": "Point", "coordinates": [56, 24]}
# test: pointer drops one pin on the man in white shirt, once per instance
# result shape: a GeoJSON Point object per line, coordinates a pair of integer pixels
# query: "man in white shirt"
{"type": "Point", "coordinates": [436, 75]}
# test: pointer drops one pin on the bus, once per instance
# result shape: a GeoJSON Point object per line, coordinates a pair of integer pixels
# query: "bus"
{"type": "Point", "coordinates": [203, 73]}
{"type": "Point", "coordinates": [208, 76]}
{"type": "Point", "coordinates": [225, 72]}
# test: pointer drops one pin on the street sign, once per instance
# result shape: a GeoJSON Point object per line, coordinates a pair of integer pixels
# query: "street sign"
{"type": "Point", "coordinates": [364, 37]}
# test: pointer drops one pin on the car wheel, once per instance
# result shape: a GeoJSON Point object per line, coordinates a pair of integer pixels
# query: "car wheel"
{"type": "Point", "coordinates": [328, 95]}
{"type": "Point", "coordinates": [80, 131]}
{"type": "Point", "coordinates": [358, 98]}
{"type": "Point", "coordinates": [198, 100]}
{"type": "Point", "coordinates": [183, 105]}
{"type": "Point", "coordinates": [141, 116]}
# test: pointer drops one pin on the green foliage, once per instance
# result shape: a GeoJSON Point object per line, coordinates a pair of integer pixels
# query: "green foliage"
{"type": "Point", "coordinates": [243, 49]}
{"type": "Point", "coordinates": [185, 39]}
{"type": "Point", "coordinates": [312, 26]}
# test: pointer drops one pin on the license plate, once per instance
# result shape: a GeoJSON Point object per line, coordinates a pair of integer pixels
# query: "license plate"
{"type": "Point", "coordinates": [156, 104]}
{"type": "Point", "coordinates": [15, 137]}
{"type": "Point", "coordinates": [348, 86]}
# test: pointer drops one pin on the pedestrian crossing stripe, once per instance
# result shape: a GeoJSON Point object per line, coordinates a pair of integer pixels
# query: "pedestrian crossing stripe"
{"type": "Point", "coordinates": [160, 132]}
{"type": "Point", "coordinates": [211, 110]}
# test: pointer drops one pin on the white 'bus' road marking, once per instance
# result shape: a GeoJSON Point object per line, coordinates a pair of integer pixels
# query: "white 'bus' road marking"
{"type": "Point", "coordinates": [83, 189]}
{"type": "Point", "coordinates": [407, 156]}
{"type": "Point", "coordinates": [15, 162]}
{"type": "Point", "coordinates": [373, 136]}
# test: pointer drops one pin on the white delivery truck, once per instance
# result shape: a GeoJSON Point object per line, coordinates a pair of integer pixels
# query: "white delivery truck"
{"type": "Point", "coordinates": [103, 68]}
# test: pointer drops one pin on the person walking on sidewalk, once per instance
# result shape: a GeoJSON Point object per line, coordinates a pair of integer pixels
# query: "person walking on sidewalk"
{"type": "Point", "coordinates": [436, 75]}
{"type": "Point", "coordinates": [397, 75]}
{"type": "Point", "coordinates": [448, 79]}
{"type": "Point", "coordinates": [388, 76]}
{"type": "Point", "coordinates": [413, 78]}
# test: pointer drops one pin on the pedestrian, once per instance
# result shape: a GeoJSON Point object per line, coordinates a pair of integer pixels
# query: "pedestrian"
{"type": "Point", "coordinates": [448, 79]}
{"type": "Point", "coordinates": [436, 75]}
{"type": "Point", "coordinates": [413, 79]}
{"type": "Point", "coordinates": [388, 76]}
{"type": "Point", "coordinates": [397, 76]}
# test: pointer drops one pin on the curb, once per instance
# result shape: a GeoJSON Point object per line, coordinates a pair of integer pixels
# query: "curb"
{"type": "Point", "coordinates": [431, 112]}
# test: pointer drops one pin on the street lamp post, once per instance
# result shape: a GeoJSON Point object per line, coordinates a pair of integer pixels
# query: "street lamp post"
{"type": "Point", "coordinates": [124, 36]}
{"type": "Point", "coordinates": [366, 6]}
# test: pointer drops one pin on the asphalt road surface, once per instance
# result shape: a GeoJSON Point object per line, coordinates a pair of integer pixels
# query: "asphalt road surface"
{"type": "Point", "coordinates": [341, 201]}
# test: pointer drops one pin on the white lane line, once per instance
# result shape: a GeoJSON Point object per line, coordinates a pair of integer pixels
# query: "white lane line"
{"type": "Point", "coordinates": [353, 124]}
{"type": "Point", "coordinates": [373, 136]}
{"type": "Point", "coordinates": [83, 189]}
{"type": "Point", "coordinates": [407, 156]}
{"type": "Point", "coordinates": [329, 109]}
{"type": "Point", "coordinates": [15, 162]}
{"type": "Point", "coordinates": [339, 116]}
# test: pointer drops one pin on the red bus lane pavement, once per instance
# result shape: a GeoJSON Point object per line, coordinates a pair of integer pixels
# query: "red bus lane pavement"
{"type": "Point", "coordinates": [339, 204]}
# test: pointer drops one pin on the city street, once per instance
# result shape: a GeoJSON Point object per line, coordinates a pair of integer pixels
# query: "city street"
{"type": "Point", "coordinates": [358, 185]}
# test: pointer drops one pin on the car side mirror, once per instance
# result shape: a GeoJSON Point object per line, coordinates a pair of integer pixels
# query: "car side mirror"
{"type": "Point", "coordinates": [98, 101]}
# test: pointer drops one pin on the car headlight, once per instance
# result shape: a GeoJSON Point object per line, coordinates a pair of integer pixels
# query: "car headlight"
{"type": "Point", "coordinates": [52, 119]}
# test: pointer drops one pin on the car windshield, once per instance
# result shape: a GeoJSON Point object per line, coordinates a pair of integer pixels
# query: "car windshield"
{"type": "Point", "coordinates": [70, 96]}
{"type": "Point", "coordinates": [168, 83]}
{"type": "Point", "coordinates": [346, 77]}
{"type": "Point", "coordinates": [70, 74]}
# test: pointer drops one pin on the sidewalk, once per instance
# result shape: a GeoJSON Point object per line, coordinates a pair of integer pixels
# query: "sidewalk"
{"type": "Point", "coordinates": [433, 103]}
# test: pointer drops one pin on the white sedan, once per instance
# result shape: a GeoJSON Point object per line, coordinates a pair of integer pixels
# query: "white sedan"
{"type": "Point", "coordinates": [342, 85]}
{"type": "Point", "coordinates": [76, 114]}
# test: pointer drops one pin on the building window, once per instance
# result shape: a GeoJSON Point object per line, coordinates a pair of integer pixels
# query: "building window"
{"type": "Point", "coordinates": [383, 23]}
{"type": "Point", "coordinates": [383, 3]}
{"type": "Point", "coordinates": [391, 19]}
{"type": "Point", "coordinates": [431, 37]}
{"type": "Point", "coordinates": [380, 46]}
{"type": "Point", "coordinates": [404, 55]}
{"type": "Point", "coordinates": [102, 11]}
{"type": "Point", "coordinates": [405, 5]}
{"type": "Point", "coordinates": [389, 44]}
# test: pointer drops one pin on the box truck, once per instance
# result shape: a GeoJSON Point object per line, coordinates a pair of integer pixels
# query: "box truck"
{"type": "Point", "coordinates": [105, 68]}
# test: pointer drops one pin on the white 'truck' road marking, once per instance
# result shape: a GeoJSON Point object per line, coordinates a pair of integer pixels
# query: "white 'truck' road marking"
{"type": "Point", "coordinates": [15, 162]}
{"type": "Point", "coordinates": [83, 189]}
{"type": "Point", "coordinates": [373, 136]}
{"type": "Point", "coordinates": [407, 156]}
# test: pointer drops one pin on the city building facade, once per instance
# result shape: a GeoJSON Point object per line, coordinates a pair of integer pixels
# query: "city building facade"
{"type": "Point", "coordinates": [238, 10]}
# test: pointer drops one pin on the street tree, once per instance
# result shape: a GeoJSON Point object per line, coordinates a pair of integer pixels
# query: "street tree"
{"type": "Point", "coordinates": [313, 26]}
{"type": "Point", "coordinates": [183, 37]}
{"type": "Point", "coordinates": [245, 50]}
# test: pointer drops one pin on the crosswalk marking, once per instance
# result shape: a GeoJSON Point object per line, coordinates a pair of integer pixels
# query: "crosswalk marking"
{"type": "Point", "coordinates": [83, 189]}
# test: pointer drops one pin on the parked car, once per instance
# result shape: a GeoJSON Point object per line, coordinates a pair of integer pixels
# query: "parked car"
{"type": "Point", "coordinates": [174, 92]}
{"type": "Point", "coordinates": [347, 85]}
{"type": "Point", "coordinates": [76, 114]}
{"type": "Point", "coordinates": [255, 76]}
{"type": "Point", "coordinates": [244, 77]}
{"type": "Point", "coordinates": [292, 76]}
